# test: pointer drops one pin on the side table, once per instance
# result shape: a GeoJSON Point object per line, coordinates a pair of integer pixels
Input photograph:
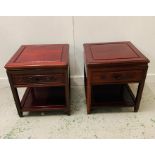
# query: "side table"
{"type": "Point", "coordinates": [109, 67]}
{"type": "Point", "coordinates": [44, 71]}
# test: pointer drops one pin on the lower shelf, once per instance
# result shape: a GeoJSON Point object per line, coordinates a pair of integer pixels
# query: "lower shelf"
{"type": "Point", "coordinates": [112, 95]}
{"type": "Point", "coordinates": [44, 99]}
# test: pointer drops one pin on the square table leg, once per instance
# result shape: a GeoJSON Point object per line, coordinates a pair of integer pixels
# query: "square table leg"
{"type": "Point", "coordinates": [67, 93]}
{"type": "Point", "coordinates": [15, 96]}
{"type": "Point", "coordinates": [138, 96]}
{"type": "Point", "coordinates": [88, 94]}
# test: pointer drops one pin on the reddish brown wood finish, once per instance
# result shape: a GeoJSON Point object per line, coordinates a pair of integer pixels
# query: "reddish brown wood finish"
{"type": "Point", "coordinates": [114, 64]}
{"type": "Point", "coordinates": [42, 56]}
{"type": "Point", "coordinates": [44, 70]}
{"type": "Point", "coordinates": [113, 53]}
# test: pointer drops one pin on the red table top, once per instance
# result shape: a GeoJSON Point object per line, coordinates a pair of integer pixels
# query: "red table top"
{"type": "Point", "coordinates": [113, 52]}
{"type": "Point", "coordinates": [34, 56]}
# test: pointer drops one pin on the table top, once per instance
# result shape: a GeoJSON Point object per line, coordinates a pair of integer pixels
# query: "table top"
{"type": "Point", "coordinates": [34, 56]}
{"type": "Point", "coordinates": [113, 53]}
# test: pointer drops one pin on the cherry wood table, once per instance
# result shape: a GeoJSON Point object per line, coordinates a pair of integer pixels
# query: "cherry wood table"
{"type": "Point", "coordinates": [109, 67]}
{"type": "Point", "coordinates": [44, 71]}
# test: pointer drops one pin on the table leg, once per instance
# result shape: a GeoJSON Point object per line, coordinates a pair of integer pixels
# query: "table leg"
{"type": "Point", "coordinates": [15, 96]}
{"type": "Point", "coordinates": [85, 82]}
{"type": "Point", "coordinates": [138, 96]}
{"type": "Point", "coordinates": [67, 93]}
{"type": "Point", "coordinates": [88, 97]}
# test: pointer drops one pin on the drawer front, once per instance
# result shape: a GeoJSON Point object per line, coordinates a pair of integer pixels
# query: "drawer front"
{"type": "Point", "coordinates": [119, 76]}
{"type": "Point", "coordinates": [39, 79]}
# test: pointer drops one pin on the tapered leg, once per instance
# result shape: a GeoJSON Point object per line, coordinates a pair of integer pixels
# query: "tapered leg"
{"type": "Point", "coordinates": [138, 96]}
{"type": "Point", "coordinates": [15, 96]}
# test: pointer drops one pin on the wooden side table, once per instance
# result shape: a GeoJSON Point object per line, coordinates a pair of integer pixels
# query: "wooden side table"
{"type": "Point", "coordinates": [44, 71]}
{"type": "Point", "coordinates": [109, 67]}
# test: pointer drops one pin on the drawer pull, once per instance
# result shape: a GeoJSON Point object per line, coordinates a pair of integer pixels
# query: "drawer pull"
{"type": "Point", "coordinates": [31, 79]}
{"type": "Point", "coordinates": [52, 78]}
{"type": "Point", "coordinates": [117, 76]}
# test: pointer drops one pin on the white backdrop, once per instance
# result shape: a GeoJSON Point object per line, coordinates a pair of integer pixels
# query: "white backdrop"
{"type": "Point", "coordinates": [15, 31]}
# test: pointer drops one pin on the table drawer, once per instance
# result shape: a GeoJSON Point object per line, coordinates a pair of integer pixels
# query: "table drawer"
{"type": "Point", "coordinates": [118, 76]}
{"type": "Point", "coordinates": [38, 79]}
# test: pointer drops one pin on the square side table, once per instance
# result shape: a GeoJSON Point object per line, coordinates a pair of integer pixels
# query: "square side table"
{"type": "Point", "coordinates": [109, 67]}
{"type": "Point", "coordinates": [44, 71]}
